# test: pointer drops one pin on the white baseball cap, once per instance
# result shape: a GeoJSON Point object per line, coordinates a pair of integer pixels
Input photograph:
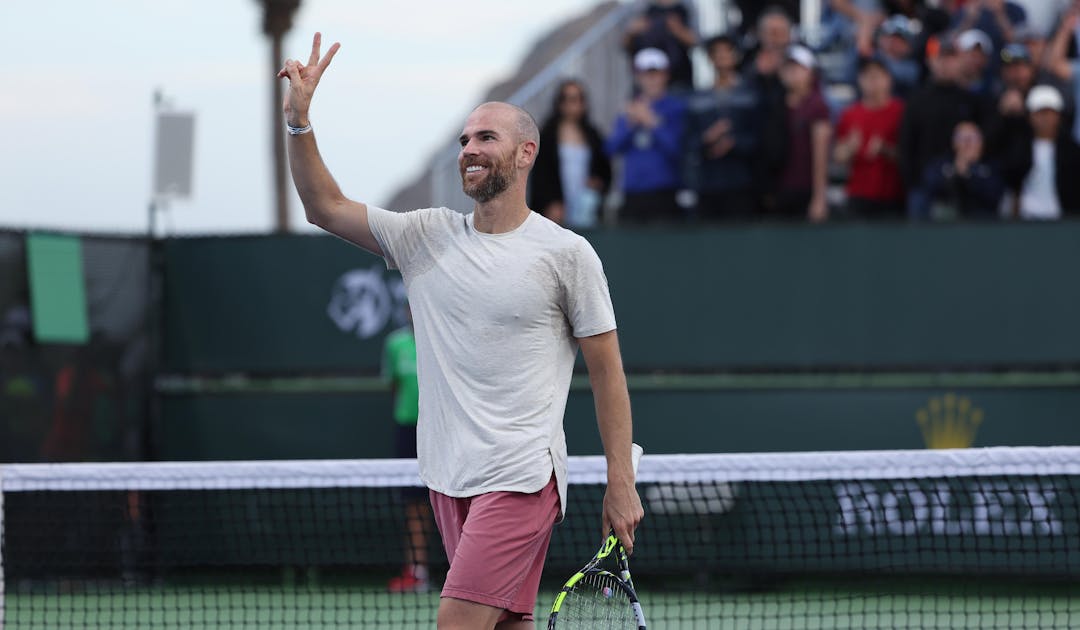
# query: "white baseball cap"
{"type": "Point", "coordinates": [973, 37]}
{"type": "Point", "coordinates": [802, 56]}
{"type": "Point", "coordinates": [650, 59]}
{"type": "Point", "coordinates": [1044, 97]}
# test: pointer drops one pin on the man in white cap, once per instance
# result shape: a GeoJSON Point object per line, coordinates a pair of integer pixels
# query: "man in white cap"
{"type": "Point", "coordinates": [1049, 185]}
{"type": "Point", "coordinates": [976, 51]}
{"type": "Point", "coordinates": [648, 136]}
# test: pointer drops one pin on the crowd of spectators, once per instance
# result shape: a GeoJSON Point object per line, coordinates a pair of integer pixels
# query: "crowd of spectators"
{"type": "Point", "coordinates": [952, 109]}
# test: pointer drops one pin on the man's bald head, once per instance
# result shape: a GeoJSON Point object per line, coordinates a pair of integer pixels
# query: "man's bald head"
{"type": "Point", "coordinates": [499, 142]}
{"type": "Point", "coordinates": [520, 120]}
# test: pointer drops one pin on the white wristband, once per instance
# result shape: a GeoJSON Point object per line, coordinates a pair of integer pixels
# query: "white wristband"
{"type": "Point", "coordinates": [296, 131]}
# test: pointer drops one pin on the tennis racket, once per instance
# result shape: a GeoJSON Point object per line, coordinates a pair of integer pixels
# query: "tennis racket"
{"type": "Point", "coordinates": [594, 597]}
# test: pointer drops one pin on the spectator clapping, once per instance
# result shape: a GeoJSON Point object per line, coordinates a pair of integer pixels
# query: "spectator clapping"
{"type": "Point", "coordinates": [648, 137]}
{"type": "Point", "coordinates": [953, 134]}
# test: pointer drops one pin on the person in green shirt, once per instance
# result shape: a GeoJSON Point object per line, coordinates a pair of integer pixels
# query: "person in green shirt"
{"type": "Point", "coordinates": [399, 369]}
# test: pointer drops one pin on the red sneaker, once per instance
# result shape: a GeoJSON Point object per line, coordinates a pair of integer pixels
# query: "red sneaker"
{"type": "Point", "coordinates": [408, 582]}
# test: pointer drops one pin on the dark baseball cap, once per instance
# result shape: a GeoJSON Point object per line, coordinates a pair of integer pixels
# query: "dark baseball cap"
{"type": "Point", "coordinates": [1015, 53]}
{"type": "Point", "coordinates": [940, 45]}
{"type": "Point", "coordinates": [873, 60]}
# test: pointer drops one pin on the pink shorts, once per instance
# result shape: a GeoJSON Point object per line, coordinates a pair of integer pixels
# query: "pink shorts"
{"type": "Point", "coordinates": [497, 543]}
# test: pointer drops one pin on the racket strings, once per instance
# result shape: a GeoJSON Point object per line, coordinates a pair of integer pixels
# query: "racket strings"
{"type": "Point", "coordinates": [597, 601]}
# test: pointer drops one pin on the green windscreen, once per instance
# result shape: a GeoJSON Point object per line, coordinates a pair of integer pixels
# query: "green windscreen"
{"type": "Point", "coordinates": [57, 288]}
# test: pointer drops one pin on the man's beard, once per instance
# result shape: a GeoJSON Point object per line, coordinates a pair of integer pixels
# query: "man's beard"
{"type": "Point", "coordinates": [493, 184]}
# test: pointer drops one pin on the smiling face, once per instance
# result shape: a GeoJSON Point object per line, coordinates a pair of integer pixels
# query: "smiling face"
{"type": "Point", "coordinates": [498, 145]}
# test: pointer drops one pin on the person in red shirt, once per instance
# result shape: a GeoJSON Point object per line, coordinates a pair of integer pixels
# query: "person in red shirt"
{"type": "Point", "coordinates": [867, 137]}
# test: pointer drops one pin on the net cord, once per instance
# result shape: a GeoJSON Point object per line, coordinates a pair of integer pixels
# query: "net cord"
{"type": "Point", "coordinates": [656, 468]}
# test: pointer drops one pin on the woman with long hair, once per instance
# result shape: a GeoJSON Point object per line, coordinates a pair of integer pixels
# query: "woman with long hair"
{"type": "Point", "coordinates": [572, 173]}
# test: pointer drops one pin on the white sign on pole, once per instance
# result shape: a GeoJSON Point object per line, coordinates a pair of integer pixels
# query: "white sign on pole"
{"type": "Point", "coordinates": [175, 148]}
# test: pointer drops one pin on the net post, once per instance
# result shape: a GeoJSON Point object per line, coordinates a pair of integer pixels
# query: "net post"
{"type": "Point", "coordinates": [2, 582]}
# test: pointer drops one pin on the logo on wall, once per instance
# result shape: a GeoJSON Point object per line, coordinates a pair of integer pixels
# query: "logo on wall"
{"type": "Point", "coordinates": [949, 421]}
{"type": "Point", "coordinates": [364, 301]}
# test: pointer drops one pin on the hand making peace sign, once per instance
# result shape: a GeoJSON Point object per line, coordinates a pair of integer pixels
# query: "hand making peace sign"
{"type": "Point", "coordinates": [302, 82]}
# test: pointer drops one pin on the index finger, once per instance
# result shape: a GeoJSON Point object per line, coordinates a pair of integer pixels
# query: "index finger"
{"type": "Point", "coordinates": [626, 537]}
{"type": "Point", "coordinates": [316, 43]}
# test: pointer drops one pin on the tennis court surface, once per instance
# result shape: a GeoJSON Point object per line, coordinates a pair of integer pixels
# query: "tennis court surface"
{"type": "Point", "coordinates": [974, 538]}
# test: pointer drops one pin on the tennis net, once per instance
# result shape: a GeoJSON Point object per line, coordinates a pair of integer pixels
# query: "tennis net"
{"type": "Point", "coordinates": [977, 538]}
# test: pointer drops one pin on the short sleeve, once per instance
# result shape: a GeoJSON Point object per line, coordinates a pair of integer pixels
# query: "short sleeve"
{"type": "Point", "coordinates": [820, 110]}
{"type": "Point", "coordinates": [587, 299]}
{"type": "Point", "coordinates": [845, 122]}
{"type": "Point", "coordinates": [389, 229]}
{"type": "Point", "coordinates": [407, 239]}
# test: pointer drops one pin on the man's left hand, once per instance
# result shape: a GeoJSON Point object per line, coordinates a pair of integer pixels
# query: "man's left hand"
{"type": "Point", "coordinates": [622, 512]}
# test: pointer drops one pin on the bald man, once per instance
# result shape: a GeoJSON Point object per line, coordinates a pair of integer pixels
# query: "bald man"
{"type": "Point", "coordinates": [502, 299]}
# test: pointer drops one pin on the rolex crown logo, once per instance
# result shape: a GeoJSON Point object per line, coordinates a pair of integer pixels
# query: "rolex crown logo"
{"type": "Point", "coordinates": [949, 421]}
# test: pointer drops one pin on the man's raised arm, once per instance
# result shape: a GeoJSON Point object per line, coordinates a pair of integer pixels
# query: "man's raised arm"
{"type": "Point", "coordinates": [324, 203]}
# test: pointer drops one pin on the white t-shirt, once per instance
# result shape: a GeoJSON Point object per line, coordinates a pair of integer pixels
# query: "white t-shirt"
{"type": "Point", "coordinates": [495, 317]}
{"type": "Point", "coordinates": [1038, 195]}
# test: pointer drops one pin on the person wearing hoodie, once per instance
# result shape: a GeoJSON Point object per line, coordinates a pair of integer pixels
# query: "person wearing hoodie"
{"type": "Point", "coordinates": [648, 137]}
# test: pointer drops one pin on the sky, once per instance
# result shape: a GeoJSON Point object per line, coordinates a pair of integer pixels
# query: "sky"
{"type": "Point", "coordinates": [79, 77]}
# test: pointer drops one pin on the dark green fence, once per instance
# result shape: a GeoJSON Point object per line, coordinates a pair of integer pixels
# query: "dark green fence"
{"type": "Point", "coordinates": [276, 304]}
{"type": "Point", "coordinates": [758, 297]}
{"type": "Point", "coordinates": [753, 338]}
{"type": "Point", "coordinates": [344, 425]}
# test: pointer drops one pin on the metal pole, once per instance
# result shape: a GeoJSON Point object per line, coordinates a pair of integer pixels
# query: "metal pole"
{"type": "Point", "coordinates": [810, 22]}
{"type": "Point", "coordinates": [152, 207]}
{"type": "Point", "coordinates": [277, 20]}
{"type": "Point", "coordinates": [2, 585]}
{"type": "Point", "coordinates": [277, 123]}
